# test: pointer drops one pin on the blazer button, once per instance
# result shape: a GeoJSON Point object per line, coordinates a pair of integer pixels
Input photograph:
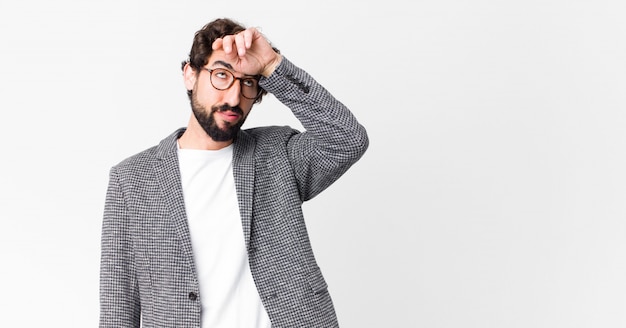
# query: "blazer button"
{"type": "Point", "coordinates": [193, 296]}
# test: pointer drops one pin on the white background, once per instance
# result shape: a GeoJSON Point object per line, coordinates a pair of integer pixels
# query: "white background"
{"type": "Point", "coordinates": [492, 194]}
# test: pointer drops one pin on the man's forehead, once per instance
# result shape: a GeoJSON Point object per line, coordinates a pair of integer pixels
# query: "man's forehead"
{"type": "Point", "coordinates": [218, 57]}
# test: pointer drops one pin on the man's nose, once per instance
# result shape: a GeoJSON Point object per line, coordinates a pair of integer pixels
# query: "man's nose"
{"type": "Point", "coordinates": [232, 95]}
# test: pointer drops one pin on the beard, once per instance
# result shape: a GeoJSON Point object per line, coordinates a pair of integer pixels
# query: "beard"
{"type": "Point", "coordinates": [207, 120]}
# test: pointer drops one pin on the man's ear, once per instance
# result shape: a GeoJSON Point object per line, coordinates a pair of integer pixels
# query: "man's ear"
{"type": "Point", "coordinates": [189, 77]}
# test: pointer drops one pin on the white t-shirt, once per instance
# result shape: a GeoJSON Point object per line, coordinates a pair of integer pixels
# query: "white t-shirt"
{"type": "Point", "coordinates": [228, 294]}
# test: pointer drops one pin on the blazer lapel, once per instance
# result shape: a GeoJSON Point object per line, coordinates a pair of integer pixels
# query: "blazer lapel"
{"type": "Point", "coordinates": [243, 170]}
{"type": "Point", "coordinates": [167, 172]}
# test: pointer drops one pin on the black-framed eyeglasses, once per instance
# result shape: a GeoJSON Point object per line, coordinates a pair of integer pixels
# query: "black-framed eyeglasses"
{"type": "Point", "coordinates": [223, 79]}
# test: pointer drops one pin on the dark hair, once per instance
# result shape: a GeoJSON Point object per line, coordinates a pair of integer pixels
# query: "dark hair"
{"type": "Point", "coordinates": [201, 48]}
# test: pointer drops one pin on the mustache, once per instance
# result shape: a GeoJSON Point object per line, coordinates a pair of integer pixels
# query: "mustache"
{"type": "Point", "coordinates": [225, 107]}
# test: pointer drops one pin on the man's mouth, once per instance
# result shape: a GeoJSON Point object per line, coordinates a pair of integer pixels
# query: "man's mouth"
{"type": "Point", "coordinates": [229, 115]}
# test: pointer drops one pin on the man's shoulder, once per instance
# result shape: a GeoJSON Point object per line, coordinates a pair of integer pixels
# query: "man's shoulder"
{"type": "Point", "coordinates": [146, 157]}
{"type": "Point", "coordinates": [141, 158]}
{"type": "Point", "coordinates": [270, 134]}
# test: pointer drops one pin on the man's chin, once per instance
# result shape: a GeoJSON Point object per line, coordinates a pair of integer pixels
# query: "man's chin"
{"type": "Point", "coordinates": [222, 134]}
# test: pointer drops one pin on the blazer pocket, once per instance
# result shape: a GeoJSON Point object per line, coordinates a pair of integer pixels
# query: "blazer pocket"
{"type": "Point", "coordinates": [316, 282]}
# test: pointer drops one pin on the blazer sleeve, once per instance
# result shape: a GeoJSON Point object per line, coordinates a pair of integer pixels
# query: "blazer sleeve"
{"type": "Point", "coordinates": [333, 139]}
{"type": "Point", "coordinates": [119, 295]}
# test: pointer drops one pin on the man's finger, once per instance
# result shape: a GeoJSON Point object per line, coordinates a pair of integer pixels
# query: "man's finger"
{"type": "Point", "coordinates": [240, 43]}
{"type": "Point", "coordinates": [227, 43]}
{"type": "Point", "coordinates": [217, 44]}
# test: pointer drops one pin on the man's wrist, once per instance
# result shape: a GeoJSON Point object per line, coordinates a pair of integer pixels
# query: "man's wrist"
{"type": "Point", "coordinates": [271, 67]}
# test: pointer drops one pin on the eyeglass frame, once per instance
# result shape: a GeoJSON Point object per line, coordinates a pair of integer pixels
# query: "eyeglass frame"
{"type": "Point", "coordinates": [253, 77]}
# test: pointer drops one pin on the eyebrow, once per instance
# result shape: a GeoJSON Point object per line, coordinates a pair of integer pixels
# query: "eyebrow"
{"type": "Point", "coordinates": [230, 67]}
{"type": "Point", "coordinates": [223, 63]}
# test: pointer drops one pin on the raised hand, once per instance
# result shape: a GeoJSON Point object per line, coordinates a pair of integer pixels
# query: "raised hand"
{"type": "Point", "coordinates": [249, 51]}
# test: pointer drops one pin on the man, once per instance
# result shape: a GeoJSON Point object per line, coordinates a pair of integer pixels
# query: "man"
{"type": "Point", "coordinates": [206, 228]}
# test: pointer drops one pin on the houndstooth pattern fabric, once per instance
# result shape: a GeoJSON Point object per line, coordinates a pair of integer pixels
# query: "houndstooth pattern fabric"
{"type": "Point", "coordinates": [148, 276]}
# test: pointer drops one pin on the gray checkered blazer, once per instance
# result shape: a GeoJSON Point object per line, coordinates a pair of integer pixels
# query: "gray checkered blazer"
{"type": "Point", "coordinates": [148, 275]}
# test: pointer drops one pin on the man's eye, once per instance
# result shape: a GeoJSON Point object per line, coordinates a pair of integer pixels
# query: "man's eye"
{"type": "Point", "coordinates": [221, 75]}
{"type": "Point", "coordinates": [251, 83]}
